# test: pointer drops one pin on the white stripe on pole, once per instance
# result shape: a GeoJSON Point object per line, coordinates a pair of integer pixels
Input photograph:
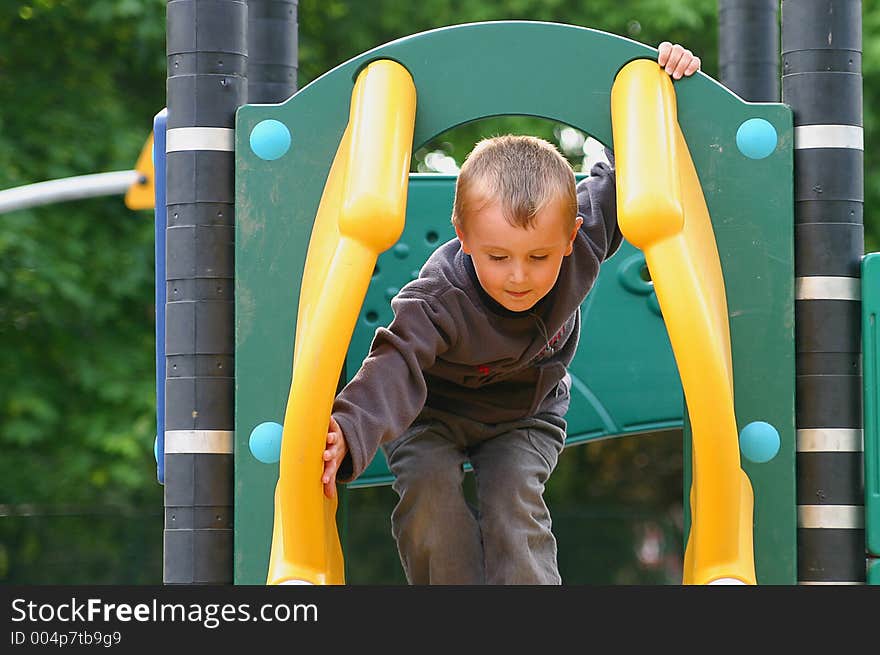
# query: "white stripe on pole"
{"type": "Point", "coordinates": [839, 517]}
{"type": "Point", "coordinates": [200, 138]}
{"type": "Point", "coordinates": [68, 188]}
{"type": "Point", "coordinates": [829, 136]}
{"type": "Point", "coordinates": [198, 441]}
{"type": "Point", "coordinates": [836, 582]}
{"type": "Point", "coordinates": [830, 440]}
{"type": "Point", "coordinates": [821, 287]}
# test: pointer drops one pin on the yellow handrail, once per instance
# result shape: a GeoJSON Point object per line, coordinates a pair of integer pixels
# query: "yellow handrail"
{"type": "Point", "coordinates": [361, 214]}
{"type": "Point", "coordinates": [661, 210]}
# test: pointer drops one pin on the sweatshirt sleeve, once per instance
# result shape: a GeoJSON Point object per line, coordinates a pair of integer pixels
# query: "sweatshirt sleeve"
{"type": "Point", "coordinates": [597, 205]}
{"type": "Point", "coordinates": [389, 390]}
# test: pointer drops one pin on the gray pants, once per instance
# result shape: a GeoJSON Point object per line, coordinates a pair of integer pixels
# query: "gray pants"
{"type": "Point", "coordinates": [506, 539]}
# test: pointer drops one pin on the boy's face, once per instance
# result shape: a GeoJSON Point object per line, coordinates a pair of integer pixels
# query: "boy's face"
{"type": "Point", "coordinates": [517, 266]}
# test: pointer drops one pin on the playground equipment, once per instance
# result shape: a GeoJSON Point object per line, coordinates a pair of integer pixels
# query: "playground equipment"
{"type": "Point", "coordinates": [137, 185]}
{"type": "Point", "coordinates": [662, 211]}
{"type": "Point", "coordinates": [754, 245]}
{"type": "Point", "coordinates": [361, 214]}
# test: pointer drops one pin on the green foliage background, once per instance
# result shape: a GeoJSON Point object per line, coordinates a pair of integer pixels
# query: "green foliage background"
{"type": "Point", "coordinates": [80, 83]}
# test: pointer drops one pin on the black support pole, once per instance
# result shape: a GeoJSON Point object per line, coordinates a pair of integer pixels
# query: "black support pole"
{"type": "Point", "coordinates": [748, 48]}
{"type": "Point", "coordinates": [822, 82]}
{"type": "Point", "coordinates": [272, 50]}
{"type": "Point", "coordinates": [207, 59]}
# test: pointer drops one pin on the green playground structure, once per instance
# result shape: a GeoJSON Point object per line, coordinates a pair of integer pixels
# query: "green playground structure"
{"type": "Point", "coordinates": [625, 380]}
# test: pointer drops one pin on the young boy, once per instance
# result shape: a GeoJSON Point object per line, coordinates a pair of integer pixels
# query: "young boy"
{"type": "Point", "coordinates": [473, 368]}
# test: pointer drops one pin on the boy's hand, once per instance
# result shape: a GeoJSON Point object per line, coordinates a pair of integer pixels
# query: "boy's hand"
{"type": "Point", "coordinates": [333, 456]}
{"type": "Point", "coordinates": [677, 60]}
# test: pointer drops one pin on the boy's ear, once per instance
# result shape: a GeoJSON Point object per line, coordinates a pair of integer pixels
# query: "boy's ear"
{"type": "Point", "coordinates": [464, 246]}
{"type": "Point", "coordinates": [578, 221]}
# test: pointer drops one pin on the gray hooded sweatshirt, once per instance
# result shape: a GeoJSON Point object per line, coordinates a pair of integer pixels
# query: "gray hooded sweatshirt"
{"type": "Point", "coordinates": [452, 347]}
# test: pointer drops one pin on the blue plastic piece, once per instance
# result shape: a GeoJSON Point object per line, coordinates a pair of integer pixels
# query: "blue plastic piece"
{"type": "Point", "coordinates": [756, 138]}
{"type": "Point", "coordinates": [265, 442]}
{"type": "Point", "coordinates": [270, 139]}
{"type": "Point", "coordinates": [160, 123]}
{"type": "Point", "coordinates": [759, 442]}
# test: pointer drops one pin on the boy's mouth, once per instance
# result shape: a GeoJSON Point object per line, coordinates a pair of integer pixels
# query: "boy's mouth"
{"type": "Point", "coordinates": [519, 294]}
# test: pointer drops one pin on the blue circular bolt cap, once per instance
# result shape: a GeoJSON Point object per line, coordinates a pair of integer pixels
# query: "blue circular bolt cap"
{"type": "Point", "coordinates": [265, 442]}
{"type": "Point", "coordinates": [401, 251]}
{"type": "Point", "coordinates": [759, 442]}
{"type": "Point", "coordinates": [270, 139]}
{"type": "Point", "coordinates": [756, 138]}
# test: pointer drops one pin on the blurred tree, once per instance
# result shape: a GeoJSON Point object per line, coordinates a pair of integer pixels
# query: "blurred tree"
{"type": "Point", "coordinates": [79, 86]}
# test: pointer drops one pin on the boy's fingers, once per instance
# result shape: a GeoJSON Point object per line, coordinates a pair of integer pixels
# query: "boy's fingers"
{"type": "Point", "coordinates": [674, 57]}
{"type": "Point", "coordinates": [331, 461]}
{"type": "Point", "coordinates": [693, 67]}
{"type": "Point", "coordinates": [682, 65]}
{"type": "Point", "coordinates": [665, 48]}
{"type": "Point", "coordinates": [331, 457]}
{"type": "Point", "coordinates": [329, 481]}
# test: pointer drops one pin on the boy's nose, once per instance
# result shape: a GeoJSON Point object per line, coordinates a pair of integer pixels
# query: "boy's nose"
{"type": "Point", "coordinates": [517, 273]}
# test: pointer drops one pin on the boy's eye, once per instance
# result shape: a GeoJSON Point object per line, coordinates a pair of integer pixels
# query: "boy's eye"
{"type": "Point", "coordinates": [539, 257]}
{"type": "Point", "coordinates": [497, 258]}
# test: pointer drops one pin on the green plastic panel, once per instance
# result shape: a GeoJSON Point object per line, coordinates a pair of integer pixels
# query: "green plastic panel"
{"type": "Point", "coordinates": [467, 72]}
{"type": "Point", "coordinates": [871, 391]}
{"type": "Point", "coordinates": [624, 349]}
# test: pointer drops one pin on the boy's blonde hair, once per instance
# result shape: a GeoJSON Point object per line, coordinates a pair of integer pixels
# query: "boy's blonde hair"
{"type": "Point", "coordinates": [524, 173]}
